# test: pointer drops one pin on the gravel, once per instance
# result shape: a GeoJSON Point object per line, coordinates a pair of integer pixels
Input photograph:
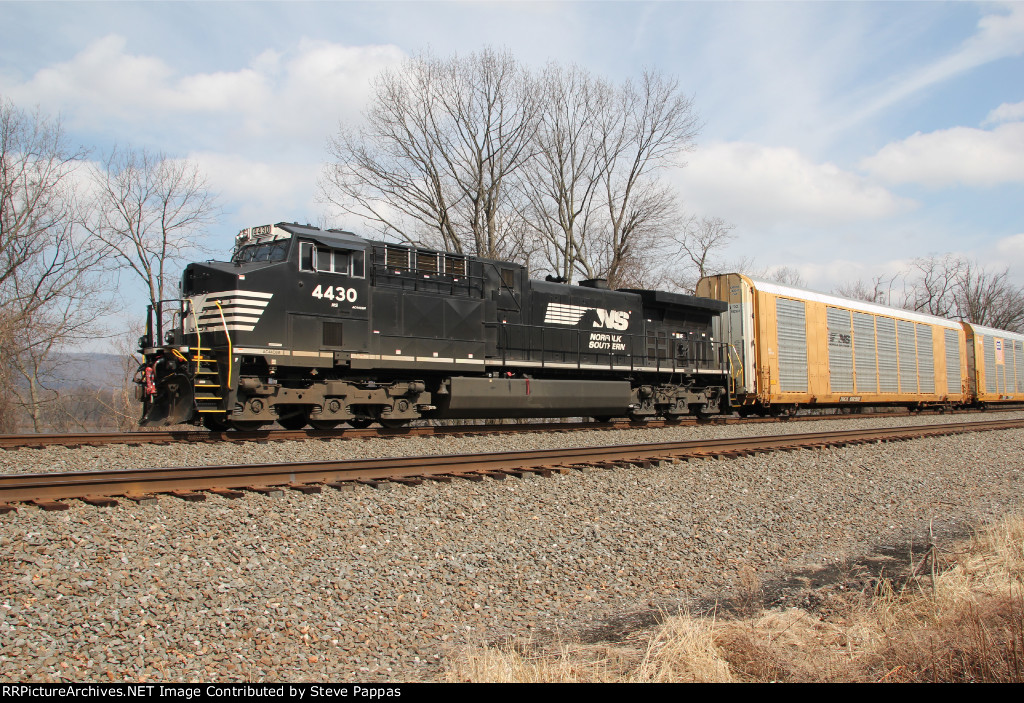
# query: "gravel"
{"type": "Point", "coordinates": [381, 585]}
{"type": "Point", "coordinates": [123, 456]}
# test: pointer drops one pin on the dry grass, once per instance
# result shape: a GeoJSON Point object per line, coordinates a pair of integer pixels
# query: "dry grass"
{"type": "Point", "coordinates": [958, 616]}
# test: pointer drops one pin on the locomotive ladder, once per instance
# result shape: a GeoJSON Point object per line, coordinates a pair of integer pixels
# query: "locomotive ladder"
{"type": "Point", "coordinates": [206, 380]}
{"type": "Point", "coordinates": [206, 383]}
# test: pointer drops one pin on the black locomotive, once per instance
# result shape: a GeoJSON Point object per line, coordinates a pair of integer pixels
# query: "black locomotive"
{"type": "Point", "coordinates": [323, 327]}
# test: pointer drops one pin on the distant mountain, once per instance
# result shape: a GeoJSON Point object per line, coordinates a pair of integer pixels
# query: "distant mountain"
{"type": "Point", "coordinates": [86, 369]}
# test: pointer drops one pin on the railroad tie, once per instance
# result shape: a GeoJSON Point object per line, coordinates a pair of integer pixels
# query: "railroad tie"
{"type": "Point", "coordinates": [189, 496]}
{"type": "Point", "coordinates": [7, 508]}
{"type": "Point", "coordinates": [100, 501]}
{"type": "Point", "coordinates": [408, 480]}
{"type": "Point", "coordinates": [559, 468]}
{"type": "Point", "coordinates": [305, 488]}
{"type": "Point", "coordinates": [383, 485]}
{"type": "Point", "coordinates": [342, 485]}
{"type": "Point", "coordinates": [269, 491]}
{"type": "Point", "coordinates": [49, 505]}
{"type": "Point", "coordinates": [539, 471]}
{"type": "Point", "coordinates": [467, 476]}
{"type": "Point", "coordinates": [142, 498]}
{"type": "Point", "coordinates": [225, 492]}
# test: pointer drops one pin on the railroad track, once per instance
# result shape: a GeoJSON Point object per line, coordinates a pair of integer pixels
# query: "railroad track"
{"type": "Point", "coordinates": [105, 488]}
{"type": "Point", "coordinates": [81, 439]}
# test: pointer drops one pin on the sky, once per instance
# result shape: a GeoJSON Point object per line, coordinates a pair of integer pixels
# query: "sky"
{"type": "Point", "coordinates": [842, 139]}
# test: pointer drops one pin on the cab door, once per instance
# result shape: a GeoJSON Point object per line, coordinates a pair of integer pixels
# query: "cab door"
{"type": "Point", "coordinates": [332, 301]}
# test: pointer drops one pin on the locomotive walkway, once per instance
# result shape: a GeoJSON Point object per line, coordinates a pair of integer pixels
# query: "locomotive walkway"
{"type": "Point", "coordinates": [104, 488]}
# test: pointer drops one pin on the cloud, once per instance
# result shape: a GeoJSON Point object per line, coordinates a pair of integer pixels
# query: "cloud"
{"type": "Point", "coordinates": [759, 186]}
{"type": "Point", "coordinates": [999, 35]}
{"type": "Point", "coordinates": [271, 97]}
{"type": "Point", "coordinates": [266, 191]}
{"type": "Point", "coordinates": [1007, 112]}
{"type": "Point", "coordinates": [961, 155]}
{"type": "Point", "coordinates": [1014, 244]}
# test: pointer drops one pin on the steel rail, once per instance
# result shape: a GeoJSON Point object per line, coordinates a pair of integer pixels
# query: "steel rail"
{"type": "Point", "coordinates": [10, 441]}
{"type": "Point", "coordinates": [78, 439]}
{"type": "Point", "coordinates": [137, 482]}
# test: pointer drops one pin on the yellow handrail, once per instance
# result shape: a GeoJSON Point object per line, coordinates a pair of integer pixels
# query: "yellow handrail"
{"type": "Point", "coordinates": [231, 354]}
{"type": "Point", "coordinates": [199, 341]}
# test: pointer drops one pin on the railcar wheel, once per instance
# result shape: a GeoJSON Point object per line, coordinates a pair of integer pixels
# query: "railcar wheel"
{"type": "Point", "coordinates": [247, 425]}
{"type": "Point", "coordinates": [216, 424]}
{"type": "Point", "coordinates": [324, 424]}
{"type": "Point", "coordinates": [295, 422]}
{"type": "Point", "coordinates": [360, 423]}
{"type": "Point", "coordinates": [602, 418]}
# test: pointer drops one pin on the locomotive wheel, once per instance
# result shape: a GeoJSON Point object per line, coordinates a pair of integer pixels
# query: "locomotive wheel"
{"type": "Point", "coordinates": [360, 423]}
{"type": "Point", "coordinates": [295, 422]}
{"type": "Point", "coordinates": [216, 424]}
{"type": "Point", "coordinates": [323, 424]}
{"type": "Point", "coordinates": [247, 425]}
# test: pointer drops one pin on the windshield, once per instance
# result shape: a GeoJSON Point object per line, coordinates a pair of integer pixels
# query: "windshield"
{"type": "Point", "coordinates": [267, 251]}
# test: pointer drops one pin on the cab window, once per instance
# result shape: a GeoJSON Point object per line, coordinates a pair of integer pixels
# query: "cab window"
{"type": "Point", "coordinates": [324, 259]}
{"type": "Point", "coordinates": [267, 251]}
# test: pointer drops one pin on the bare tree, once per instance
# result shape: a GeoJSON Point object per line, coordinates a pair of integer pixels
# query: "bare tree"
{"type": "Point", "coordinates": [643, 132]}
{"type": "Point", "coordinates": [699, 244]}
{"type": "Point", "coordinates": [934, 284]}
{"type": "Point", "coordinates": [48, 296]}
{"type": "Point", "coordinates": [560, 181]}
{"type": "Point", "coordinates": [148, 212]}
{"type": "Point", "coordinates": [880, 290]}
{"type": "Point", "coordinates": [988, 298]}
{"type": "Point", "coordinates": [786, 275]}
{"type": "Point", "coordinates": [434, 159]}
{"type": "Point", "coordinates": [958, 288]}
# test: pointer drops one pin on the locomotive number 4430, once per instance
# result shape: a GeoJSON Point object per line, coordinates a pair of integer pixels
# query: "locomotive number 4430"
{"type": "Point", "coordinates": [338, 293]}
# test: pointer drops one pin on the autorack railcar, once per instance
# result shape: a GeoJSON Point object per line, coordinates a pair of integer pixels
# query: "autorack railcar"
{"type": "Point", "coordinates": [792, 348]}
{"type": "Point", "coordinates": [996, 363]}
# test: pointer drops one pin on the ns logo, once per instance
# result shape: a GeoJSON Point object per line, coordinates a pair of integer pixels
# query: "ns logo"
{"type": "Point", "coordinates": [564, 314]}
{"type": "Point", "coordinates": [612, 319]}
